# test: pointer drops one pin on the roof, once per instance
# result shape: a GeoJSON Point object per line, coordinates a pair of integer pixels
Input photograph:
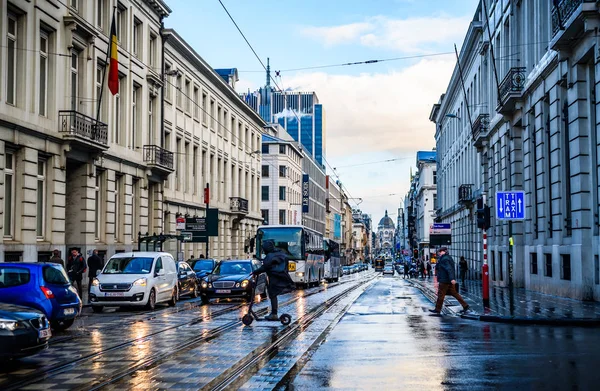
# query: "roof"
{"type": "Point", "coordinates": [386, 222]}
{"type": "Point", "coordinates": [228, 73]}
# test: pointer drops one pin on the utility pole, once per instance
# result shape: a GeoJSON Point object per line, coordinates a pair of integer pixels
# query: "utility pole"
{"type": "Point", "coordinates": [485, 268]}
{"type": "Point", "coordinates": [207, 201]}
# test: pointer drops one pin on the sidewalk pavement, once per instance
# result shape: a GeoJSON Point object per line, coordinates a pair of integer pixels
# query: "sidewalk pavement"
{"type": "Point", "coordinates": [529, 307]}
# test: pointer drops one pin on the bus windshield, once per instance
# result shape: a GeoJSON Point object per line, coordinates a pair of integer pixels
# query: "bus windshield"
{"type": "Point", "coordinates": [289, 240]}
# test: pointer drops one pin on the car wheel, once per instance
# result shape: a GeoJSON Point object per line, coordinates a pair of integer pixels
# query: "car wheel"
{"type": "Point", "coordinates": [205, 300]}
{"type": "Point", "coordinates": [195, 292]}
{"type": "Point", "coordinates": [97, 308]}
{"type": "Point", "coordinates": [174, 297]}
{"type": "Point", "coordinates": [62, 325]}
{"type": "Point", "coordinates": [151, 304]}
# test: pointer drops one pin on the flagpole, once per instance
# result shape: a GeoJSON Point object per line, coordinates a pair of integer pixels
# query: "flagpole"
{"type": "Point", "coordinates": [105, 68]}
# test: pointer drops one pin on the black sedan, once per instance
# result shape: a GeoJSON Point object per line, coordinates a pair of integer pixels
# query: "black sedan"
{"type": "Point", "coordinates": [23, 331]}
{"type": "Point", "coordinates": [233, 279]}
{"type": "Point", "coordinates": [202, 267]}
{"type": "Point", "coordinates": [186, 280]}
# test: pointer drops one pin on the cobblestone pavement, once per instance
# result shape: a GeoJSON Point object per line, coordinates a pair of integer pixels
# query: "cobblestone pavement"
{"type": "Point", "coordinates": [387, 341]}
{"type": "Point", "coordinates": [528, 304]}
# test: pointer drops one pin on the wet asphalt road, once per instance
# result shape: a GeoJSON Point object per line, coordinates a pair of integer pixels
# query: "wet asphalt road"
{"type": "Point", "coordinates": [387, 341]}
{"type": "Point", "coordinates": [364, 336]}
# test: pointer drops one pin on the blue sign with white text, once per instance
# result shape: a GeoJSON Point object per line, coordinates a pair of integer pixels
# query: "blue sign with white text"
{"type": "Point", "coordinates": [305, 193]}
{"type": "Point", "coordinates": [510, 205]}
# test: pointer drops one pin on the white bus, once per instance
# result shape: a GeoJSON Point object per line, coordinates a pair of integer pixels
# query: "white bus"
{"type": "Point", "coordinates": [333, 267]}
{"type": "Point", "coordinates": [304, 248]}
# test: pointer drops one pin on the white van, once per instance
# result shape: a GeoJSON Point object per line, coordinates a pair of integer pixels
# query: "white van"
{"type": "Point", "coordinates": [135, 279]}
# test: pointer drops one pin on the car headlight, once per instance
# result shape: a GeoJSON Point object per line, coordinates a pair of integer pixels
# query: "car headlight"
{"type": "Point", "coordinates": [140, 282]}
{"type": "Point", "coordinates": [210, 285]}
{"type": "Point", "coordinates": [245, 283]}
{"type": "Point", "coordinates": [204, 284]}
{"type": "Point", "coordinates": [95, 282]}
{"type": "Point", "coordinates": [7, 324]}
{"type": "Point", "coordinates": [299, 274]}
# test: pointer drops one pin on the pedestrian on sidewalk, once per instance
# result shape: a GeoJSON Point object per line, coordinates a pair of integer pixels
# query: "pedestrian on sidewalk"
{"type": "Point", "coordinates": [422, 268]}
{"type": "Point", "coordinates": [76, 266]}
{"type": "Point", "coordinates": [405, 269]}
{"type": "Point", "coordinates": [462, 264]}
{"type": "Point", "coordinates": [95, 264]}
{"type": "Point", "coordinates": [446, 281]}
{"type": "Point", "coordinates": [428, 269]}
{"type": "Point", "coordinates": [56, 258]}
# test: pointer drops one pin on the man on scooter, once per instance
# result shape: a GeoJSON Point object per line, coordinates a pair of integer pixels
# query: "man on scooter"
{"type": "Point", "coordinates": [275, 264]}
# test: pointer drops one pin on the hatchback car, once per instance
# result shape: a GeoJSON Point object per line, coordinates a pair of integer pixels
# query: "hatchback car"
{"type": "Point", "coordinates": [388, 269]}
{"type": "Point", "coordinates": [202, 266]}
{"type": "Point", "coordinates": [233, 279]}
{"type": "Point", "coordinates": [43, 286]}
{"type": "Point", "coordinates": [23, 331]}
{"type": "Point", "coordinates": [136, 279]}
{"type": "Point", "coordinates": [187, 281]}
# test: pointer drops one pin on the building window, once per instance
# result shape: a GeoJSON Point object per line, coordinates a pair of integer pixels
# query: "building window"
{"type": "Point", "coordinates": [179, 92]}
{"type": "Point", "coordinates": [548, 265]}
{"type": "Point", "coordinates": [152, 54]}
{"type": "Point", "coordinates": [282, 215]}
{"type": "Point", "coordinates": [204, 109]}
{"type": "Point", "coordinates": [212, 115]}
{"type": "Point", "coordinates": [188, 101]}
{"type": "Point", "coordinates": [41, 199]}
{"type": "Point", "coordinates": [151, 120]}
{"type": "Point", "coordinates": [99, 80]}
{"type": "Point", "coordinates": [196, 106]}
{"type": "Point", "coordinates": [282, 171]}
{"type": "Point", "coordinates": [534, 263]}
{"type": "Point", "coordinates": [596, 270]}
{"type": "Point", "coordinates": [118, 111]}
{"type": "Point", "coordinates": [265, 171]}
{"type": "Point", "coordinates": [43, 74]}
{"type": "Point", "coordinates": [265, 149]}
{"type": "Point", "coordinates": [186, 176]}
{"type": "Point", "coordinates": [281, 193]}
{"type": "Point", "coordinates": [167, 85]}
{"type": "Point", "coordinates": [98, 214]}
{"type": "Point", "coordinates": [232, 130]}
{"type": "Point", "coordinates": [265, 193]}
{"type": "Point", "coordinates": [178, 166]}
{"type": "Point", "coordinates": [134, 116]}
{"type": "Point", "coordinates": [565, 269]}
{"type": "Point", "coordinates": [195, 171]}
{"type": "Point", "coordinates": [121, 24]}
{"type": "Point", "coordinates": [118, 220]}
{"type": "Point", "coordinates": [11, 53]}
{"type": "Point", "coordinates": [137, 37]}
{"type": "Point", "coordinates": [9, 195]}
{"type": "Point", "coordinates": [219, 120]}
{"type": "Point", "coordinates": [265, 216]}
{"type": "Point", "coordinates": [100, 13]}
{"type": "Point", "coordinates": [74, 79]}
{"type": "Point", "coordinates": [435, 177]}
{"type": "Point", "coordinates": [74, 4]}
{"type": "Point", "coordinates": [282, 149]}
{"type": "Point", "coordinates": [134, 210]}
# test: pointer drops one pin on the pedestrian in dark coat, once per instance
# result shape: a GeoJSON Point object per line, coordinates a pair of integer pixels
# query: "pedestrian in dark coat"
{"type": "Point", "coordinates": [446, 281]}
{"type": "Point", "coordinates": [56, 258]}
{"type": "Point", "coordinates": [463, 266]}
{"type": "Point", "coordinates": [429, 269]}
{"type": "Point", "coordinates": [76, 266]}
{"type": "Point", "coordinates": [405, 269]}
{"type": "Point", "coordinates": [95, 264]}
{"type": "Point", "coordinates": [275, 265]}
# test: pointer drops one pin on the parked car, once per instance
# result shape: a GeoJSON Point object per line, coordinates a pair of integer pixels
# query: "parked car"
{"type": "Point", "coordinates": [136, 279]}
{"type": "Point", "coordinates": [346, 270]}
{"type": "Point", "coordinates": [388, 269]}
{"type": "Point", "coordinates": [187, 280]}
{"type": "Point", "coordinates": [233, 279]}
{"type": "Point", "coordinates": [23, 331]}
{"type": "Point", "coordinates": [42, 286]}
{"type": "Point", "coordinates": [202, 266]}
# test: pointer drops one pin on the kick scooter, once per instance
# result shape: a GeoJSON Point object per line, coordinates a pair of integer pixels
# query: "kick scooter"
{"type": "Point", "coordinates": [251, 316]}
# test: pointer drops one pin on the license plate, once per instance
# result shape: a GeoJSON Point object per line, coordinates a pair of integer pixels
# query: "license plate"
{"type": "Point", "coordinates": [45, 333]}
{"type": "Point", "coordinates": [69, 311]}
{"type": "Point", "coordinates": [291, 267]}
{"type": "Point", "coordinates": [115, 294]}
{"type": "Point", "coordinates": [223, 291]}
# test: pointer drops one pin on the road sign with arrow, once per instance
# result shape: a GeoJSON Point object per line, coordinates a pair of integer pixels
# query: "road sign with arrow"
{"type": "Point", "coordinates": [510, 205]}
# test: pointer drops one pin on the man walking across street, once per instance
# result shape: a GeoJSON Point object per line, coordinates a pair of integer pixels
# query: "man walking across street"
{"type": "Point", "coordinates": [462, 265]}
{"type": "Point", "coordinates": [96, 264]}
{"type": "Point", "coordinates": [76, 266]}
{"type": "Point", "coordinates": [405, 269]}
{"type": "Point", "coordinates": [446, 282]}
{"type": "Point", "coordinates": [428, 269]}
{"type": "Point", "coordinates": [56, 258]}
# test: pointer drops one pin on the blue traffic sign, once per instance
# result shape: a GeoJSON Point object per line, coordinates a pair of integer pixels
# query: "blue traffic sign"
{"type": "Point", "coordinates": [510, 205]}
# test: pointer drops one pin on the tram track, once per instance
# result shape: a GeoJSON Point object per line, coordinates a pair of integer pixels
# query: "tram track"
{"type": "Point", "coordinates": [52, 371]}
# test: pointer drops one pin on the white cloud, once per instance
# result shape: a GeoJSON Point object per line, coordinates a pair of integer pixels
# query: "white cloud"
{"type": "Point", "coordinates": [411, 35]}
{"type": "Point", "coordinates": [379, 112]}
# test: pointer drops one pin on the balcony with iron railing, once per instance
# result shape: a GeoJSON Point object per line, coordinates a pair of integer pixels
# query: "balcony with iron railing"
{"type": "Point", "coordinates": [159, 160]}
{"type": "Point", "coordinates": [83, 130]}
{"type": "Point", "coordinates": [481, 127]}
{"type": "Point", "coordinates": [568, 21]}
{"type": "Point", "coordinates": [238, 205]}
{"type": "Point", "coordinates": [510, 89]}
{"type": "Point", "coordinates": [465, 194]}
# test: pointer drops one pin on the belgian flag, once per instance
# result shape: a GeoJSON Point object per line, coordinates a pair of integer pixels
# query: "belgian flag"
{"type": "Point", "coordinates": [113, 68]}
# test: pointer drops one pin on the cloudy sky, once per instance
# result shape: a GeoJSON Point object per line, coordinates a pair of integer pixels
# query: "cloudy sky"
{"type": "Point", "coordinates": [374, 112]}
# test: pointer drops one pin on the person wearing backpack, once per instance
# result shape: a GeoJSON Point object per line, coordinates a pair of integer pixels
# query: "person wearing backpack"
{"type": "Point", "coordinates": [76, 267]}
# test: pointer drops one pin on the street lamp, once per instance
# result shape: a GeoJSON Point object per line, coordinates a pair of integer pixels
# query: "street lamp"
{"type": "Point", "coordinates": [450, 115]}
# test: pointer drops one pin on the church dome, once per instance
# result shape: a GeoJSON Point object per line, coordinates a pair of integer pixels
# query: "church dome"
{"type": "Point", "coordinates": [386, 222]}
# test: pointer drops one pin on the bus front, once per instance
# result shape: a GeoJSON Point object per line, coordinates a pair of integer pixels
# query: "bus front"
{"type": "Point", "coordinates": [289, 240]}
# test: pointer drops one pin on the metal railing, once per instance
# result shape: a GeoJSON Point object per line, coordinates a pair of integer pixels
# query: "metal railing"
{"type": "Point", "coordinates": [513, 82]}
{"type": "Point", "coordinates": [77, 124]}
{"type": "Point", "coordinates": [562, 12]}
{"type": "Point", "coordinates": [464, 193]}
{"type": "Point", "coordinates": [154, 154]}
{"type": "Point", "coordinates": [480, 125]}
{"type": "Point", "coordinates": [238, 205]}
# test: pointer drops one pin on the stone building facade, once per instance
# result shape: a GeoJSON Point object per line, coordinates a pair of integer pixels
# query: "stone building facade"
{"type": "Point", "coordinates": [535, 130]}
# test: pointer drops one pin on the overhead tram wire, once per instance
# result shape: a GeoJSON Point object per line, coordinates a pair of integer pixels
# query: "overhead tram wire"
{"type": "Point", "coordinates": [274, 82]}
{"type": "Point", "coordinates": [379, 161]}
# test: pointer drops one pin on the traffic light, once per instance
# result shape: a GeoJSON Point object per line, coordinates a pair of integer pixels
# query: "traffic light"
{"type": "Point", "coordinates": [483, 215]}
{"type": "Point", "coordinates": [416, 253]}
